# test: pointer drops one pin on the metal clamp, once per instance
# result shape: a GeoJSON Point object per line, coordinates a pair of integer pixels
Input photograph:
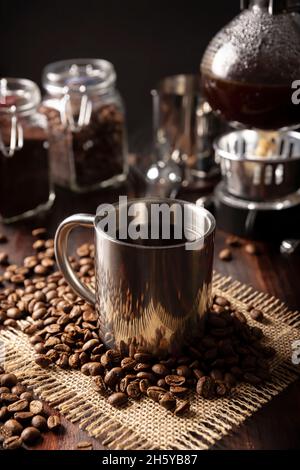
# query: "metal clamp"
{"type": "Point", "coordinates": [16, 136]}
{"type": "Point", "coordinates": [85, 110]}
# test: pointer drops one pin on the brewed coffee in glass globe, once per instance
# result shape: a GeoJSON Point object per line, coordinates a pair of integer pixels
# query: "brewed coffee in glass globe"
{"type": "Point", "coordinates": [251, 67]}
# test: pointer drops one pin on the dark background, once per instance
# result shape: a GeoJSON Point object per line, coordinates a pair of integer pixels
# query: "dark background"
{"type": "Point", "coordinates": [145, 40]}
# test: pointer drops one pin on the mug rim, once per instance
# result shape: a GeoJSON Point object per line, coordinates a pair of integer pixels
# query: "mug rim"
{"type": "Point", "coordinates": [200, 209]}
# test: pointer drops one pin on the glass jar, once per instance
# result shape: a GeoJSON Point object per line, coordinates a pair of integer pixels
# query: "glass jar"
{"type": "Point", "coordinates": [88, 145]}
{"type": "Point", "coordinates": [25, 184]}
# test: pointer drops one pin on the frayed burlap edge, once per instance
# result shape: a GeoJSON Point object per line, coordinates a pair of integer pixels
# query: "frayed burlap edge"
{"type": "Point", "coordinates": [144, 424]}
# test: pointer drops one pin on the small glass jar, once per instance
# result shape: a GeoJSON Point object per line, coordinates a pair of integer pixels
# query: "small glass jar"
{"type": "Point", "coordinates": [25, 183]}
{"type": "Point", "coordinates": [88, 145]}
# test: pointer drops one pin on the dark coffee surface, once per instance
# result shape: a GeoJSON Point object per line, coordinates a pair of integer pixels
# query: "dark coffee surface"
{"type": "Point", "coordinates": [264, 106]}
{"type": "Point", "coordinates": [24, 179]}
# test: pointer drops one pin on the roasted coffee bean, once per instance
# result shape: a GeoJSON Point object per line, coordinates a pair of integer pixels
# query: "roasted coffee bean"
{"type": "Point", "coordinates": [83, 250]}
{"type": "Point", "coordinates": [42, 360]}
{"type": "Point", "coordinates": [8, 380]}
{"type": "Point", "coordinates": [99, 385]}
{"type": "Point", "coordinates": [51, 342]}
{"type": "Point", "coordinates": [221, 389]}
{"type": "Point", "coordinates": [14, 313]}
{"type": "Point", "coordinates": [174, 380]}
{"type": "Point", "coordinates": [9, 397]}
{"type": "Point", "coordinates": [84, 445]}
{"type": "Point", "coordinates": [6, 390]}
{"type": "Point", "coordinates": [182, 407]}
{"type": "Point", "coordinates": [133, 390]}
{"type": "Point", "coordinates": [206, 387]}
{"type": "Point", "coordinates": [30, 435]}
{"type": "Point", "coordinates": [128, 363]}
{"type": "Point", "coordinates": [63, 361]}
{"type": "Point", "coordinates": [74, 361]}
{"type": "Point", "coordinates": [144, 384]}
{"type": "Point", "coordinates": [240, 316]}
{"type": "Point", "coordinates": [4, 413]}
{"type": "Point", "coordinates": [125, 381]}
{"type": "Point", "coordinates": [13, 426]}
{"type": "Point", "coordinates": [19, 405]}
{"type": "Point", "coordinates": [54, 423]}
{"type": "Point", "coordinates": [27, 396]}
{"type": "Point", "coordinates": [142, 367]}
{"type": "Point", "coordinates": [252, 249]}
{"type": "Point", "coordinates": [256, 314]}
{"type": "Point", "coordinates": [89, 345]}
{"type": "Point", "coordinates": [117, 399]}
{"type": "Point", "coordinates": [225, 254]}
{"type": "Point", "coordinates": [3, 258]}
{"type": "Point", "coordinates": [114, 356]}
{"type": "Point", "coordinates": [143, 357]}
{"type": "Point", "coordinates": [18, 389]}
{"type": "Point", "coordinates": [113, 376]}
{"type": "Point", "coordinates": [146, 375]}
{"type": "Point", "coordinates": [23, 416]}
{"type": "Point", "coordinates": [178, 390]}
{"type": "Point", "coordinates": [168, 401]}
{"type": "Point", "coordinates": [162, 383]}
{"type": "Point", "coordinates": [160, 369]}
{"type": "Point", "coordinates": [39, 232]}
{"type": "Point", "coordinates": [218, 309]}
{"type": "Point", "coordinates": [38, 245]}
{"type": "Point", "coordinates": [155, 392]}
{"type": "Point", "coordinates": [12, 443]}
{"type": "Point", "coordinates": [36, 407]}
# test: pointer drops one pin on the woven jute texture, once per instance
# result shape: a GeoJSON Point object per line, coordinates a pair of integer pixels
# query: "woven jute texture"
{"type": "Point", "coordinates": [145, 424]}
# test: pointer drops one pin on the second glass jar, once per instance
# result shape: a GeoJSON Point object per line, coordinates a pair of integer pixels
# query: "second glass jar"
{"type": "Point", "coordinates": [88, 144]}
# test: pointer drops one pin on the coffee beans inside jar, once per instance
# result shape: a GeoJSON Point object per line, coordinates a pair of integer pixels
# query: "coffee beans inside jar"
{"type": "Point", "coordinates": [64, 332]}
{"type": "Point", "coordinates": [87, 124]}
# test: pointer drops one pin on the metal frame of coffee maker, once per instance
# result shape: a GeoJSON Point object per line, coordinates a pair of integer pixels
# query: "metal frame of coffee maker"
{"type": "Point", "coordinates": [249, 206]}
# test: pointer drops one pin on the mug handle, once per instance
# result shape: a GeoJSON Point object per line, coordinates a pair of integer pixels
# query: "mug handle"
{"type": "Point", "coordinates": [61, 245]}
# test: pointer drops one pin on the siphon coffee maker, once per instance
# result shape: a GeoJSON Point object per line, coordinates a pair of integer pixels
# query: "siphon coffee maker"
{"type": "Point", "coordinates": [249, 73]}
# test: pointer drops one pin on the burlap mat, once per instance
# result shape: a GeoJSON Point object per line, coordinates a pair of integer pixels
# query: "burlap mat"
{"type": "Point", "coordinates": [145, 424]}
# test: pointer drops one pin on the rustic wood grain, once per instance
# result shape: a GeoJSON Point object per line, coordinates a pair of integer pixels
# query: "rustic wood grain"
{"type": "Point", "coordinates": [276, 425]}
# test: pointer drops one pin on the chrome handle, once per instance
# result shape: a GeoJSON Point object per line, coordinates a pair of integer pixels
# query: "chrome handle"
{"type": "Point", "coordinates": [85, 110]}
{"type": "Point", "coordinates": [61, 244]}
{"type": "Point", "coordinates": [16, 136]}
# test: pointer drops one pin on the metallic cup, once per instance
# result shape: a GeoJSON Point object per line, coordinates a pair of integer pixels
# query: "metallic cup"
{"type": "Point", "coordinates": [152, 296]}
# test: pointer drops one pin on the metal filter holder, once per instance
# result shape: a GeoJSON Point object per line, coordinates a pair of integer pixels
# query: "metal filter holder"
{"type": "Point", "coordinates": [263, 179]}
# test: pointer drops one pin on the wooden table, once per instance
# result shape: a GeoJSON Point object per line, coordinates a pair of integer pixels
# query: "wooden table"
{"type": "Point", "coordinates": [276, 425]}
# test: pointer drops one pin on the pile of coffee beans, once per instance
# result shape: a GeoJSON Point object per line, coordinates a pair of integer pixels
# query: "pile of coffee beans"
{"type": "Point", "coordinates": [22, 418]}
{"type": "Point", "coordinates": [232, 242]}
{"type": "Point", "coordinates": [64, 332]}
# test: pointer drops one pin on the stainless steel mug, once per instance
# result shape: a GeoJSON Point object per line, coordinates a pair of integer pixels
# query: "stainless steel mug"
{"type": "Point", "coordinates": [154, 294]}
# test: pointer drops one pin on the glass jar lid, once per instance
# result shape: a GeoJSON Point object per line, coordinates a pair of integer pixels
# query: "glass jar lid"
{"type": "Point", "coordinates": [94, 75]}
{"type": "Point", "coordinates": [18, 96]}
